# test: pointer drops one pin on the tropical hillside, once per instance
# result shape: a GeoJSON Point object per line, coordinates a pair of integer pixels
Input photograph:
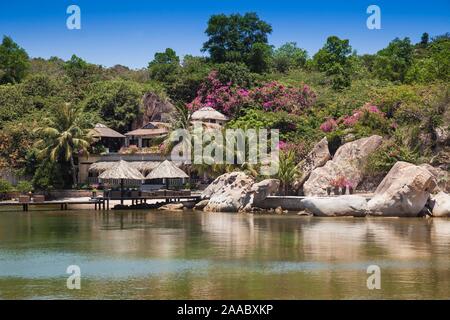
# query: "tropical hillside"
{"type": "Point", "coordinates": [48, 106]}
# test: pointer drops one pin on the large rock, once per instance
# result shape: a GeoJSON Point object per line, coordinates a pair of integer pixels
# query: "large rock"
{"type": "Point", "coordinates": [403, 192]}
{"type": "Point", "coordinates": [349, 162]}
{"type": "Point", "coordinates": [154, 109]}
{"type": "Point", "coordinates": [261, 190]}
{"type": "Point", "coordinates": [228, 193]}
{"type": "Point", "coordinates": [442, 178]}
{"type": "Point", "coordinates": [316, 158]}
{"type": "Point", "coordinates": [201, 204]}
{"type": "Point", "coordinates": [440, 205]}
{"type": "Point", "coordinates": [172, 207]}
{"type": "Point", "coordinates": [442, 135]}
{"type": "Point", "coordinates": [348, 205]}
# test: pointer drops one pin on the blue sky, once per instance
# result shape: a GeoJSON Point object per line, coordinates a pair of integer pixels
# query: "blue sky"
{"type": "Point", "coordinates": [130, 32]}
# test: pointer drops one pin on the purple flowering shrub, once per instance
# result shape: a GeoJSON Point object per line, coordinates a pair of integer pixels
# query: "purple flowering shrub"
{"type": "Point", "coordinates": [271, 96]}
{"type": "Point", "coordinates": [368, 115]}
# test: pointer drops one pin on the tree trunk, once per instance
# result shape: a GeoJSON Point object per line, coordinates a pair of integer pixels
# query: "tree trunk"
{"type": "Point", "coordinates": [74, 171]}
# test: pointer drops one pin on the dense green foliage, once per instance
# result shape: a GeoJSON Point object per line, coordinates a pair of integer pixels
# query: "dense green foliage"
{"type": "Point", "coordinates": [13, 61]}
{"type": "Point", "coordinates": [401, 92]}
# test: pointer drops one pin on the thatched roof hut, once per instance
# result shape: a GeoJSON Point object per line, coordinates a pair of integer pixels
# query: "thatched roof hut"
{"type": "Point", "coordinates": [208, 114]}
{"type": "Point", "coordinates": [151, 129]}
{"type": "Point", "coordinates": [143, 166]}
{"type": "Point", "coordinates": [166, 170]}
{"type": "Point", "coordinates": [121, 170]}
{"type": "Point", "coordinates": [102, 131]}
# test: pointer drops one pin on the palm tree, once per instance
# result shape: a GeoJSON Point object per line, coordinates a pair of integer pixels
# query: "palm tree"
{"type": "Point", "coordinates": [287, 169]}
{"type": "Point", "coordinates": [64, 137]}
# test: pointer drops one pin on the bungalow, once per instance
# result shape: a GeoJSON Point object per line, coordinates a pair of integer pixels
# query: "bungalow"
{"type": "Point", "coordinates": [208, 115]}
{"type": "Point", "coordinates": [147, 135]}
{"type": "Point", "coordinates": [110, 139]}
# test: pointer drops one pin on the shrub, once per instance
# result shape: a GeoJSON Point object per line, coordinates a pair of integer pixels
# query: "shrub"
{"type": "Point", "coordinates": [384, 158]}
{"type": "Point", "coordinates": [24, 187]}
{"type": "Point", "coordinates": [5, 186]}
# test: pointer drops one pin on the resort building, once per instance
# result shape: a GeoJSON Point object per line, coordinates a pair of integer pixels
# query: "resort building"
{"type": "Point", "coordinates": [208, 115]}
{"type": "Point", "coordinates": [146, 136]}
{"type": "Point", "coordinates": [108, 138]}
{"type": "Point", "coordinates": [138, 148]}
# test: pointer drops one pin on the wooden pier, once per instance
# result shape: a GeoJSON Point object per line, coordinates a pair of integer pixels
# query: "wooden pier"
{"type": "Point", "coordinates": [98, 203]}
{"type": "Point", "coordinates": [101, 203]}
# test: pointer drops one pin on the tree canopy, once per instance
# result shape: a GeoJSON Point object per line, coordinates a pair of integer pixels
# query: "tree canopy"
{"type": "Point", "coordinates": [14, 62]}
{"type": "Point", "coordinates": [237, 38]}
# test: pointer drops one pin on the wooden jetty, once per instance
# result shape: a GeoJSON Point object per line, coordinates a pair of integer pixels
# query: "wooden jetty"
{"type": "Point", "coordinates": [101, 203]}
{"type": "Point", "coordinates": [98, 203]}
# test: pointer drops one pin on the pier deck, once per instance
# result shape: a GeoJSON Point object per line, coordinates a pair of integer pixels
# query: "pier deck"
{"type": "Point", "coordinates": [99, 203]}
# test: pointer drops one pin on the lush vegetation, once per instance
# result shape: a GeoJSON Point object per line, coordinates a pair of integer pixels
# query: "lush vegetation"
{"type": "Point", "coordinates": [400, 92]}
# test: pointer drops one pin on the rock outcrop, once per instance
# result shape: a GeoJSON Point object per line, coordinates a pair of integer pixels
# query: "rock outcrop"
{"type": "Point", "coordinates": [261, 190]}
{"type": "Point", "coordinates": [228, 193]}
{"type": "Point", "coordinates": [236, 191]}
{"type": "Point", "coordinates": [201, 205]}
{"type": "Point", "coordinates": [172, 207]}
{"type": "Point", "coordinates": [348, 205]}
{"type": "Point", "coordinates": [349, 162]}
{"type": "Point", "coordinates": [442, 178]}
{"type": "Point", "coordinates": [316, 158]}
{"type": "Point", "coordinates": [440, 205]}
{"type": "Point", "coordinates": [155, 109]}
{"type": "Point", "coordinates": [403, 192]}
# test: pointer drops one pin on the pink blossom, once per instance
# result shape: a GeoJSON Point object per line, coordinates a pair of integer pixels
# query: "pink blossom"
{"type": "Point", "coordinates": [329, 125]}
{"type": "Point", "coordinates": [281, 145]}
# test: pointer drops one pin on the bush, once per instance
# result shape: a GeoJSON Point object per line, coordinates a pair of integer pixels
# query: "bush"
{"type": "Point", "coordinates": [383, 159]}
{"type": "Point", "coordinates": [5, 186]}
{"type": "Point", "coordinates": [24, 187]}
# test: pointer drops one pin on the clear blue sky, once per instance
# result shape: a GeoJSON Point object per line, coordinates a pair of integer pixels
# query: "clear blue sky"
{"type": "Point", "coordinates": [129, 32]}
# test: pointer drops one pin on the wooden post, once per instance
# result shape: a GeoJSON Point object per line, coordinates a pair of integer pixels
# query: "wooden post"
{"type": "Point", "coordinates": [121, 191]}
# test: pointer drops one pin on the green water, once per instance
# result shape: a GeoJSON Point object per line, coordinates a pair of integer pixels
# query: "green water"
{"type": "Point", "coordinates": [155, 255]}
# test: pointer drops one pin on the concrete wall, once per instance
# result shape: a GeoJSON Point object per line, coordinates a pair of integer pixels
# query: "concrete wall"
{"type": "Point", "coordinates": [291, 203]}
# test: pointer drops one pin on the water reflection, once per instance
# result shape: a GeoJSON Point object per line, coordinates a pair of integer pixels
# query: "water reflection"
{"type": "Point", "coordinates": [197, 255]}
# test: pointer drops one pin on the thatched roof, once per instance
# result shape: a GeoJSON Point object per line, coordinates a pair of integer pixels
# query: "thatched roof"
{"type": "Point", "coordinates": [151, 129]}
{"type": "Point", "coordinates": [207, 125]}
{"type": "Point", "coordinates": [166, 170]}
{"type": "Point", "coordinates": [208, 113]}
{"type": "Point", "coordinates": [143, 166]}
{"type": "Point", "coordinates": [122, 170]}
{"type": "Point", "coordinates": [102, 131]}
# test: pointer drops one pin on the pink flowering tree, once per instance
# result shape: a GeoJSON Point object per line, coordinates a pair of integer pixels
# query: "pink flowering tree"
{"type": "Point", "coordinates": [224, 98]}
{"type": "Point", "coordinates": [271, 96]}
{"type": "Point", "coordinates": [274, 96]}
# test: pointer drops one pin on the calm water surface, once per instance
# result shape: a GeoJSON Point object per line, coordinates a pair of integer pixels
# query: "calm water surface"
{"type": "Point", "coordinates": [156, 255]}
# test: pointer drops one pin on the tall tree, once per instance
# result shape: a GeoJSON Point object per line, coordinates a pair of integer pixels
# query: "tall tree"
{"type": "Point", "coordinates": [118, 102]}
{"type": "Point", "coordinates": [65, 137]}
{"type": "Point", "coordinates": [233, 38]}
{"type": "Point", "coordinates": [14, 62]}
{"type": "Point", "coordinates": [289, 56]}
{"type": "Point", "coordinates": [164, 66]}
{"type": "Point", "coordinates": [392, 63]}
{"type": "Point", "coordinates": [424, 40]}
{"type": "Point", "coordinates": [335, 60]}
